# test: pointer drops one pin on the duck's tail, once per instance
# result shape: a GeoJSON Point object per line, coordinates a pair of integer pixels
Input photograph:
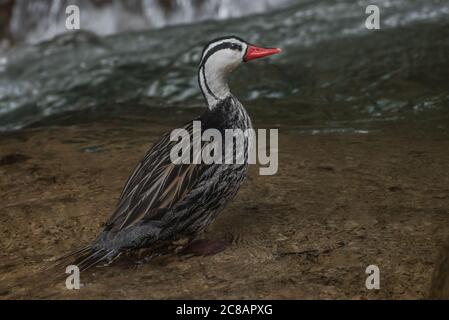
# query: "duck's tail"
{"type": "Point", "coordinates": [86, 258]}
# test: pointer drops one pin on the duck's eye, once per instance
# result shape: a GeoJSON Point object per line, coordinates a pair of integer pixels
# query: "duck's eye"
{"type": "Point", "coordinates": [236, 46]}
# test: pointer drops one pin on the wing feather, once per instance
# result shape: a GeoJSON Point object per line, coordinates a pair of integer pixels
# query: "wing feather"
{"type": "Point", "coordinates": [156, 183]}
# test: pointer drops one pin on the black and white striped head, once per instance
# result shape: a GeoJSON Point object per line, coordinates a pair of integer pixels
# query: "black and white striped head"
{"type": "Point", "coordinates": [220, 57]}
{"type": "Point", "coordinates": [226, 52]}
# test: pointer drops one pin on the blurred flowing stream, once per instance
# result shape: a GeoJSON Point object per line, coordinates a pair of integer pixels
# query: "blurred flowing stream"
{"type": "Point", "coordinates": [333, 74]}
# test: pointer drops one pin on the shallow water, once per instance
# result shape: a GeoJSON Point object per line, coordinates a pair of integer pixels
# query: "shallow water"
{"type": "Point", "coordinates": [332, 75]}
{"type": "Point", "coordinates": [338, 203]}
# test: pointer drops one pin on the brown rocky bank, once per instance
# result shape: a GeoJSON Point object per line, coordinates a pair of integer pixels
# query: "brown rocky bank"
{"type": "Point", "coordinates": [339, 203]}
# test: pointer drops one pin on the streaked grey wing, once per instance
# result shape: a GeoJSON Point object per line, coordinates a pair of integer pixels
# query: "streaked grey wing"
{"type": "Point", "coordinates": [156, 183]}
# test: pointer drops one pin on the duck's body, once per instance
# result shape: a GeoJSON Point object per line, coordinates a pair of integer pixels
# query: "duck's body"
{"type": "Point", "coordinates": [161, 200]}
{"type": "Point", "coordinates": [154, 206]}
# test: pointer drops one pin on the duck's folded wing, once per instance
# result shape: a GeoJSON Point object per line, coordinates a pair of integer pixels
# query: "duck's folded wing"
{"type": "Point", "coordinates": [156, 183]}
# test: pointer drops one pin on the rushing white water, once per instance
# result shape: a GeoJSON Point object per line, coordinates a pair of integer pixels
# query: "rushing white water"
{"type": "Point", "coordinates": [37, 20]}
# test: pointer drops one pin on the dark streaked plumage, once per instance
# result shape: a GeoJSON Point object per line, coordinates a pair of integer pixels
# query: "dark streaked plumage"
{"type": "Point", "coordinates": [162, 201]}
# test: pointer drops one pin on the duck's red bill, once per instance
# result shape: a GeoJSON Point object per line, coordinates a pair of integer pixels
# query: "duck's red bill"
{"type": "Point", "coordinates": [254, 52]}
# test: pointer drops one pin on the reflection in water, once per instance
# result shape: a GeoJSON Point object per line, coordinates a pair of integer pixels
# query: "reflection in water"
{"type": "Point", "coordinates": [333, 73]}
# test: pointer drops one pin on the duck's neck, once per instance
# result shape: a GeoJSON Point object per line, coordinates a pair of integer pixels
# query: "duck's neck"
{"type": "Point", "coordinates": [213, 84]}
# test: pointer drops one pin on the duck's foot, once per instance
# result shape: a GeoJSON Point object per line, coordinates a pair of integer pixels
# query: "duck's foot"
{"type": "Point", "coordinates": [205, 247]}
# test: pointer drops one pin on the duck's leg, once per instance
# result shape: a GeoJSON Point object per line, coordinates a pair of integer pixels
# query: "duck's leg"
{"type": "Point", "coordinates": [145, 255]}
{"type": "Point", "coordinates": [206, 247]}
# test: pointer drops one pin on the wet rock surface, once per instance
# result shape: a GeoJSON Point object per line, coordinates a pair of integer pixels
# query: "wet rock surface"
{"type": "Point", "coordinates": [339, 203]}
{"type": "Point", "coordinates": [440, 280]}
